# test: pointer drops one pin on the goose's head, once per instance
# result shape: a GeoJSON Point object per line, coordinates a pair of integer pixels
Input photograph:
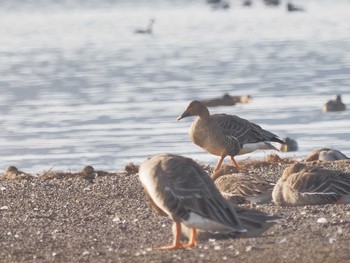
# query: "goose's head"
{"type": "Point", "coordinates": [195, 108]}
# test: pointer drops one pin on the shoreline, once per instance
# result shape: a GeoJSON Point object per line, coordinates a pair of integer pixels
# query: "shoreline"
{"type": "Point", "coordinates": [74, 218]}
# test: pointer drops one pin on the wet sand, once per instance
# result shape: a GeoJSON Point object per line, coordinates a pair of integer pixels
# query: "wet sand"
{"type": "Point", "coordinates": [67, 217]}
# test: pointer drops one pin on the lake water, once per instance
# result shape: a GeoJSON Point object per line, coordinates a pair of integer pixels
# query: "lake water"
{"type": "Point", "coordinates": [78, 87]}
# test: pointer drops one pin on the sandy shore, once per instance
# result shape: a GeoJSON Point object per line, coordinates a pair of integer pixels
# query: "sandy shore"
{"type": "Point", "coordinates": [66, 217]}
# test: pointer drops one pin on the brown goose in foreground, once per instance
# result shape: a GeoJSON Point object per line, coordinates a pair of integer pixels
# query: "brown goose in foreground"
{"type": "Point", "coordinates": [224, 135]}
{"type": "Point", "coordinates": [178, 187]}
{"type": "Point", "coordinates": [311, 185]}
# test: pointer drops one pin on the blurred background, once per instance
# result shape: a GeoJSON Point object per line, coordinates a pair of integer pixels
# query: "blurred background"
{"type": "Point", "coordinates": [101, 82]}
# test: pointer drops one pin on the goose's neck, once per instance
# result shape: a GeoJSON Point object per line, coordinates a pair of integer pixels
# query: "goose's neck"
{"type": "Point", "coordinates": [204, 115]}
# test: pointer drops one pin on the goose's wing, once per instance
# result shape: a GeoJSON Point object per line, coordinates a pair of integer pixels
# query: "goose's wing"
{"type": "Point", "coordinates": [321, 183]}
{"type": "Point", "coordinates": [189, 193]}
{"type": "Point", "coordinates": [243, 188]}
{"type": "Point", "coordinates": [242, 130]}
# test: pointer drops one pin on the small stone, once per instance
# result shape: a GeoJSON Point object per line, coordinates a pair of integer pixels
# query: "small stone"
{"type": "Point", "coordinates": [2, 188]}
{"type": "Point", "coordinates": [248, 248]}
{"type": "Point", "coordinates": [340, 230]}
{"type": "Point", "coordinates": [283, 240]}
{"type": "Point", "coordinates": [331, 240]}
{"type": "Point", "coordinates": [54, 254]}
{"type": "Point", "coordinates": [322, 220]}
{"type": "Point", "coordinates": [5, 207]}
{"type": "Point", "coordinates": [85, 253]}
{"type": "Point", "coordinates": [217, 248]}
{"type": "Point", "coordinates": [116, 219]}
{"type": "Point", "coordinates": [224, 258]}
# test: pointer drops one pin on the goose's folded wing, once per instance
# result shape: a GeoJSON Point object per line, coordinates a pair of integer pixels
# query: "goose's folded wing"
{"type": "Point", "coordinates": [325, 184]}
{"type": "Point", "coordinates": [199, 196]}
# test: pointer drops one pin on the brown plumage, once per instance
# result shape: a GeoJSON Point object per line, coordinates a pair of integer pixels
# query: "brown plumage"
{"type": "Point", "coordinates": [226, 135]}
{"type": "Point", "coordinates": [179, 187]}
{"type": "Point", "coordinates": [240, 188]}
{"type": "Point", "coordinates": [326, 154]}
{"type": "Point", "coordinates": [311, 185]}
{"type": "Point", "coordinates": [12, 173]}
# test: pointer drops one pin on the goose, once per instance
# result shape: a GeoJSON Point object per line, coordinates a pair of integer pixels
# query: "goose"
{"type": "Point", "coordinates": [241, 188]}
{"type": "Point", "coordinates": [326, 154]}
{"type": "Point", "coordinates": [226, 135]}
{"type": "Point", "coordinates": [311, 185]}
{"type": "Point", "coordinates": [178, 187]}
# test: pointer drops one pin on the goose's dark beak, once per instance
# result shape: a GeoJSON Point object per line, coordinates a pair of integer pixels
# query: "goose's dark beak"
{"type": "Point", "coordinates": [183, 115]}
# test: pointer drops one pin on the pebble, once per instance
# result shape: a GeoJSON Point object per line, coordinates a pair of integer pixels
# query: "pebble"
{"type": "Point", "coordinates": [217, 248]}
{"type": "Point", "coordinates": [322, 220]}
{"type": "Point", "coordinates": [331, 240]}
{"type": "Point", "coordinates": [283, 240]}
{"type": "Point", "coordinates": [5, 207]}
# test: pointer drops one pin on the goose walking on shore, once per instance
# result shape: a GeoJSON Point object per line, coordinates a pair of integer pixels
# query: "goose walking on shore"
{"type": "Point", "coordinates": [226, 135]}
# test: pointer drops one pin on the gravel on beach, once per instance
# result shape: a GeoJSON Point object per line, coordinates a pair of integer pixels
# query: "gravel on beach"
{"type": "Point", "coordinates": [105, 217]}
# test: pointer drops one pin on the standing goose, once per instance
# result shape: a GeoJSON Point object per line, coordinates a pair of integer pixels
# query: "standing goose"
{"type": "Point", "coordinates": [224, 135]}
{"type": "Point", "coordinates": [178, 187]}
{"type": "Point", "coordinates": [311, 185]}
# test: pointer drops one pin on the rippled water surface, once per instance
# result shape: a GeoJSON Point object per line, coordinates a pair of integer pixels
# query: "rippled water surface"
{"type": "Point", "coordinates": [78, 87]}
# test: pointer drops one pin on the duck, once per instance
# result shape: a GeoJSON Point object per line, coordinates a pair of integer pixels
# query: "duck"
{"type": "Point", "coordinates": [326, 154]}
{"type": "Point", "coordinates": [148, 30]}
{"type": "Point", "coordinates": [241, 188]}
{"type": "Point", "coordinates": [334, 105]}
{"type": "Point", "coordinates": [180, 188]}
{"type": "Point", "coordinates": [226, 135]}
{"type": "Point", "coordinates": [311, 185]}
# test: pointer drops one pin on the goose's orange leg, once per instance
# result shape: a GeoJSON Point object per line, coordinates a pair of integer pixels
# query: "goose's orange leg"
{"type": "Point", "coordinates": [218, 165]}
{"type": "Point", "coordinates": [235, 163]}
{"type": "Point", "coordinates": [193, 240]}
{"type": "Point", "coordinates": [177, 244]}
